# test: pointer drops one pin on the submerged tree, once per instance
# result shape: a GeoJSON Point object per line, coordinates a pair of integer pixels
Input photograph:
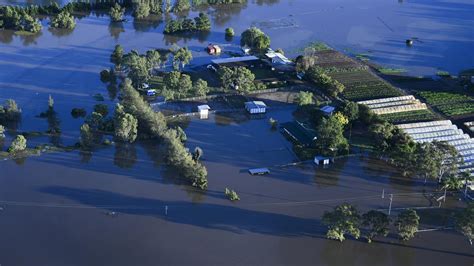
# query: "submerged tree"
{"type": "Point", "coordinates": [407, 224]}
{"type": "Point", "coordinates": [87, 136]}
{"type": "Point", "coordinates": [255, 39]}
{"type": "Point", "coordinates": [181, 57]}
{"type": "Point", "coordinates": [304, 98]}
{"type": "Point", "coordinates": [377, 224]}
{"type": "Point", "coordinates": [116, 12]}
{"type": "Point", "coordinates": [18, 144]}
{"type": "Point", "coordinates": [464, 222]}
{"type": "Point", "coordinates": [344, 219]}
{"type": "Point", "coordinates": [126, 125]}
{"type": "Point", "coordinates": [63, 20]}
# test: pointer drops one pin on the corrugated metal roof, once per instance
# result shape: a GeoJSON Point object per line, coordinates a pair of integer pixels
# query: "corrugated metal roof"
{"type": "Point", "coordinates": [234, 59]}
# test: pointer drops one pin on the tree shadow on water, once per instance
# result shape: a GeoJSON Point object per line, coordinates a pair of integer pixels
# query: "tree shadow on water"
{"type": "Point", "coordinates": [204, 215]}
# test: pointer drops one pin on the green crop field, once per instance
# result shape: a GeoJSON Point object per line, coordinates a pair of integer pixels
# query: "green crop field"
{"type": "Point", "coordinates": [410, 116]}
{"type": "Point", "coordinates": [449, 103]}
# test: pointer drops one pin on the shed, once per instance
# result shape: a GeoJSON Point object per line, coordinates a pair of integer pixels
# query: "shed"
{"type": "Point", "coordinates": [277, 58]}
{"type": "Point", "coordinates": [256, 107]}
{"type": "Point", "coordinates": [320, 160]}
{"type": "Point", "coordinates": [214, 49]}
{"type": "Point", "coordinates": [203, 111]}
{"type": "Point", "coordinates": [259, 171]}
{"type": "Point", "coordinates": [328, 110]}
{"type": "Point", "coordinates": [151, 92]}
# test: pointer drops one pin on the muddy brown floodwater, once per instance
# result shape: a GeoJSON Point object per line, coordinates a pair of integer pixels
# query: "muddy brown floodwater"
{"type": "Point", "coordinates": [123, 206]}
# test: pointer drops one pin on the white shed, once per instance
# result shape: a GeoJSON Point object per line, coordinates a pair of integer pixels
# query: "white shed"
{"type": "Point", "coordinates": [320, 160]}
{"type": "Point", "coordinates": [256, 107]}
{"type": "Point", "coordinates": [203, 111]}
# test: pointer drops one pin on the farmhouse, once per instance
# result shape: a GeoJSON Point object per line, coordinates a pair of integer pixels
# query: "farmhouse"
{"type": "Point", "coordinates": [203, 111]}
{"type": "Point", "coordinates": [256, 107]}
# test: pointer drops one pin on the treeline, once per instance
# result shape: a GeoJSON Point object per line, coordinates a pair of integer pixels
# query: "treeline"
{"type": "Point", "coordinates": [199, 23]}
{"type": "Point", "coordinates": [430, 160]}
{"type": "Point", "coordinates": [155, 125]}
{"type": "Point", "coordinates": [318, 76]}
{"type": "Point", "coordinates": [345, 220]}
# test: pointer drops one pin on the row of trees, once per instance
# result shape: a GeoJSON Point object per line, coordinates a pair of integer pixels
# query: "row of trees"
{"type": "Point", "coordinates": [178, 85]}
{"type": "Point", "coordinates": [154, 124]}
{"type": "Point", "coordinates": [345, 219]}
{"type": "Point", "coordinates": [199, 23]}
{"type": "Point", "coordinates": [320, 77]}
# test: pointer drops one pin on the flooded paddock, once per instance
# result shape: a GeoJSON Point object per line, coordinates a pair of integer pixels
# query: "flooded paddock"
{"type": "Point", "coordinates": [123, 206]}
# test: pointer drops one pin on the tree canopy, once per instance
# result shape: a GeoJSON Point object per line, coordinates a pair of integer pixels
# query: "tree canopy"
{"type": "Point", "coordinates": [255, 38]}
{"type": "Point", "coordinates": [343, 220]}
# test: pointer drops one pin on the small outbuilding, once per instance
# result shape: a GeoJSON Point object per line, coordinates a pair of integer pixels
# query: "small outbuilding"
{"type": "Point", "coordinates": [256, 107]}
{"type": "Point", "coordinates": [320, 160]}
{"type": "Point", "coordinates": [259, 171]}
{"type": "Point", "coordinates": [214, 49]}
{"type": "Point", "coordinates": [203, 111]}
{"type": "Point", "coordinates": [277, 58]}
{"type": "Point", "coordinates": [328, 110]}
{"type": "Point", "coordinates": [151, 92]}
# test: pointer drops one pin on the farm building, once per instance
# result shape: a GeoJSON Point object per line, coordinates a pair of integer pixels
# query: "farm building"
{"type": "Point", "coordinates": [247, 61]}
{"type": "Point", "coordinates": [444, 130]}
{"type": "Point", "coordinates": [394, 104]}
{"type": "Point", "coordinates": [328, 110]}
{"type": "Point", "coordinates": [213, 49]}
{"type": "Point", "coordinates": [299, 133]}
{"type": "Point", "coordinates": [277, 58]}
{"type": "Point", "coordinates": [203, 111]}
{"type": "Point", "coordinates": [259, 171]}
{"type": "Point", "coordinates": [256, 107]}
{"type": "Point", "coordinates": [320, 160]}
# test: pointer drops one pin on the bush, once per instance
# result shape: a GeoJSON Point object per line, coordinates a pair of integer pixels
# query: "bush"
{"type": "Point", "coordinates": [63, 20]}
{"type": "Point", "coordinates": [229, 32]}
{"type": "Point", "coordinates": [18, 144]}
{"type": "Point", "coordinates": [231, 194]}
{"type": "Point", "coordinates": [2, 132]}
{"type": "Point", "coordinates": [11, 111]}
{"type": "Point", "coordinates": [116, 13]}
{"type": "Point", "coordinates": [255, 39]}
{"type": "Point", "coordinates": [102, 109]}
{"type": "Point", "coordinates": [78, 112]}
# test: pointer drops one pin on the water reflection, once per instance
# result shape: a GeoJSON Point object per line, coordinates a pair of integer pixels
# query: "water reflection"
{"type": "Point", "coordinates": [115, 28]}
{"type": "Point", "coordinates": [125, 155]}
{"type": "Point", "coordinates": [144, 25]}
{"type": "Point", "coordinates": [60, 32]}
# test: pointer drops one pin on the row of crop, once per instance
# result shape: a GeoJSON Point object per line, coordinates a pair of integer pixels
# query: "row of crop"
{"type": "Point", "coordinates": [449, 103]}
{"type": "Point", "coordinates": [366, 92]}
{"type": "Point", "coordinates": [410, 116]}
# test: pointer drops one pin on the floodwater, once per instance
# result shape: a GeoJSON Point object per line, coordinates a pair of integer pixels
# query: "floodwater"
{"type": "Point", "coordinates": [122, 206]}
{"type": "Point", "coordinates": [110, 207]}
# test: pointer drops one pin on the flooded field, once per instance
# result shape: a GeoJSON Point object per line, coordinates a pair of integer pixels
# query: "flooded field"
{"type": "Point", "coordinates": [122, 206]}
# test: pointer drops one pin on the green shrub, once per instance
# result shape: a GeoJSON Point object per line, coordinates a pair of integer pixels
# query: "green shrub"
{"type": "Point", "coordinates": [18, 144]}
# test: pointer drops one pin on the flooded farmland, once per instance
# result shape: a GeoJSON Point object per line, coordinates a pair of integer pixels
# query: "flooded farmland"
{"type": "Point", "coordinates": [121, 205]}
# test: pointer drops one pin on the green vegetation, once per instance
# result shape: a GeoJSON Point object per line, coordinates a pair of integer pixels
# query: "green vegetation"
{"type": "Point", "coordinates": [410, 116]}
{"type": "Point", "coordinates": [18, 19]}
{"type": "Point", "coordinates": [319, 77]}
{"type": "Point", "coordinates": [200, 23]}
{"type": "Point", "coordinates": [126, 125]}
{"type": "Point", "coordinates": [229, 32]}
{"type": "Point", "coordinates": [407, 224]}
{"type": "Point", "coordinates": [255, 39]}
{"type": "Point", "coordinates": [238, 78]}
{"type": "Point", "coordinates": [331, 140]}
{"type": "Point", "coordinates": [343, 220]}
{"type": "Point", "coordinates": [464, 222]}
{"type": "Point", "coordinates": [2, 132]}
{"type": "Point", "coordinates": [391, 71]}
{"type": "Point", "coordinates": [87, 138]}
{"type": "Point", "coordinates": [231, 194]}
{"type": "Point", "coordinates": [443, 74]}
{"type": "Point", "coordinates": [63, 20]}
{"type": "Point", "coordinates": [141, 10]}
{"type": "Point", "coordinates": [78, 112]}
{"type": "Point", "coordinates": [181, 5]}
{"type": "Point", "coordinates": [116, 13]}
{"type": "Point", "coordinates": [449, 103]}
{"type": "Point", "coordinates": [197, 154]}
{"type": "Point", "coordinates": [18, 145]}
{"type": "Point", "coordinates": [377, 224]}
{"type": "Point", "coordinates": [273, 123]}
{"type": "Point", "coordinates": [10, 112]}
{"type": "Point", "coordinates": [181, 57]}
{"type": "Point", "coordinates": [155, 125]}
{"type": "Point", "coordinates": [304, 98]}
